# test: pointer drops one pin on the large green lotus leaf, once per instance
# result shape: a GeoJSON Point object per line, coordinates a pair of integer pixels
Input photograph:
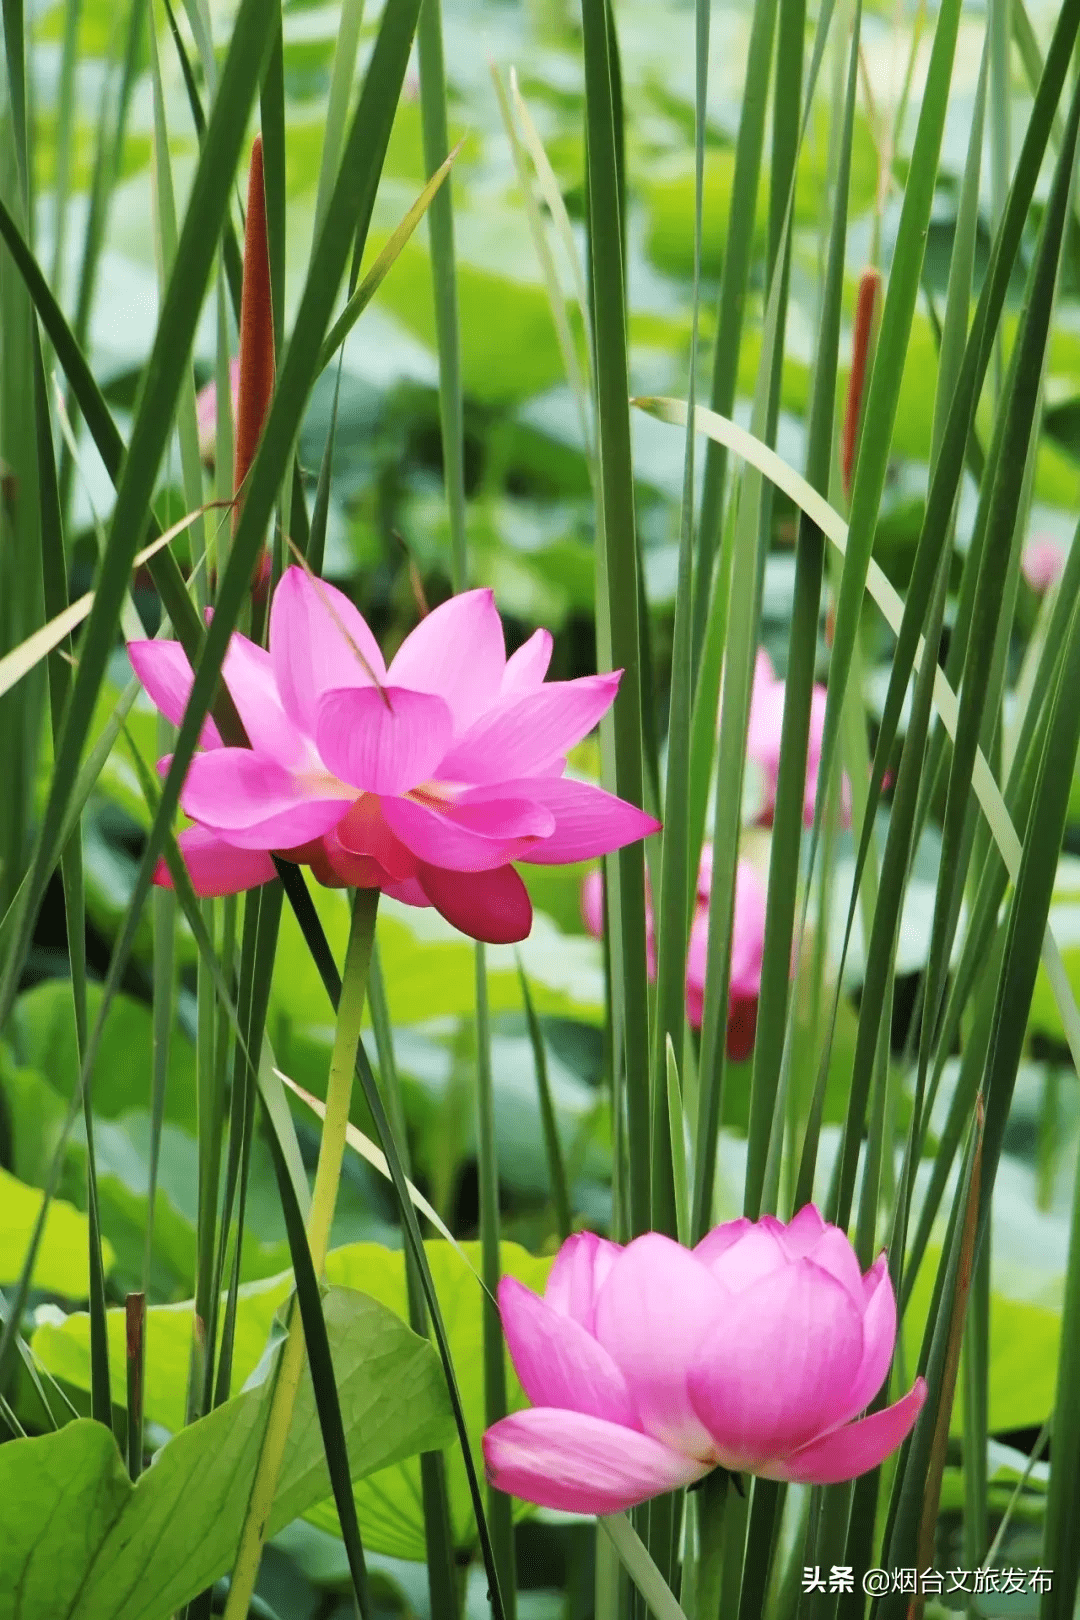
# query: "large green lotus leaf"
{"type": "Point", "coordinates": [63, 1348]}
{"type": "Point", "coordinates": [81, 1543]}
{"type": "Point", "coordinates": [430, 969]}
{"type": "Point", "coordinates": [388, 1504]}
{"type": "Point", "coordinates": [509, 349]}
{"type": "Point", "coordinates": [62, 1258]}
{"type": "Point", "coordinates": [45, 1040]}
{"type": "Point", "coordinates": [670, 199]}
{"type": "Point", "coordinates": [1024, 1342]}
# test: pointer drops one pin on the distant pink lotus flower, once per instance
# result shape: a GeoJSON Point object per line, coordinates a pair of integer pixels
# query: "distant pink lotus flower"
{"type": "Point", "coordinates": [427, 779]}
{"type": "Point", "coordinates": [1043, 562]}
{"type": "Point", "coordinates": [747, 943]}
{"type": "Point", "coordinates": [763, 741]}
{"type": "Point", "coordinates": [206, 411]}
{"type": "Point", "coordinates": [649, 1365]}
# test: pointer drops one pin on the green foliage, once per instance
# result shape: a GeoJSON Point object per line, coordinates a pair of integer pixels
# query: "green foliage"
{"type": "Point", "coordinates": [120, 1550]}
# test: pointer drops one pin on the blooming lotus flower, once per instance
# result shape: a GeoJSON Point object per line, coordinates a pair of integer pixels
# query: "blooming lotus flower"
{"type": "Point", "coordinates": [763, 741]}
{"type": "Point", "coordinates": [747, 944]}
{"type": "Point", "coordinates": [428, 779]}
{"type": "Point", "coordinates": [1043, 562]}
{"type": "Point", "coordinates": [649, 1365]}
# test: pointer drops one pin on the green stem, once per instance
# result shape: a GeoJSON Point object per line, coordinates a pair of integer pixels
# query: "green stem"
{"type": "Point", "coordinates": [495, 1403]}
{"type": "Point", "coordinates": [327, 1176]}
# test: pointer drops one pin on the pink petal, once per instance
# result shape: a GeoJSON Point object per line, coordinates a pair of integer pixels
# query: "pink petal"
{"type": "Point", "coordinates": [581, 1464]}
{"type": "Point", "coordinates": [256, 803]}
{"type": "Point", "coordinates": [457, 652]}
{"type": "Point", "coordinates": [857, 1447]}
{"type": "Point", "coordinates": [721, 1239]}
{"type": "Point", "coordinates": [525, 669]}
{"type": "Point", "coordinates": [318, 641]}
{"type": "Point", "coordinates": [758, 1253]}
{"type": "Point", "coordinates": [206, 411]}
{"type": "Point", "coordinates": [592, 902]}
{"type": "Point", "coordinates": [657, 1307]}
{"type": "Point", "coordinates": [163, 669]}
{"type": "Point", "coordinates": [490, 906]}
{"type": "Point", "coordinates": [382, 740]}
{"type": "Point", "coordinates": [588, 821]}
{"type": "Point", "coordinates": [215, 867]}
{"type": "Point", "coordinates": [520, 735]}
{"type": "Point", "coordinates": [801, 1325]}
{"type": "Point", "coordinates": [408, 892]}
{"type": "Point", "coordinates": [803, 1231]}
{"type": "Point", "coordinates": [474, 839]}
{"type": "Point", "coordinates": [250, 679]}
{"type": "Point", "coordinates": [363, 831]}
{"type": "Point", "coordinates": [833, 1252]}
{"type": "Point", "coordinates": [764, 729]}
{"type": "Point", "coordinates": [879, 1337]}
{"type": "Point", "coordinates": [558, 1362]}
{"type": "Point", "coordinates": [748, 931]}
{"type": "Point", "coordinates": [581, 1268]}
{"type": "Point", "coordinates": [1043, 562]}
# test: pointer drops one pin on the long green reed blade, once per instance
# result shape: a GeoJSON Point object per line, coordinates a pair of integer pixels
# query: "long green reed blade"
{"type": "Point", "coordinates": [560, 1191]}
{"type": "Point", "coordinates": [739, 656]}
{"type": "Point", "coordinates": [677, 883]}
{"type": "Point", "coordinates": [65, 124]}
{"type": "Point", "coordinates": [1001, 498]}
{"type": "Point", "coordinates": [946, 475]}
{"type": "Point", "coordinates": [734, 284]}
{"type": "Point", "coordinates": [316, 941]}
{"type": "Point", "coordinates": [495, 1407]}
{"type": "Point", "coordinates": [180, 309]}
{"type": "Point", "coordinates": [442, 1581]}
{"type": "Point", "coordinates": [54, 573]}
{"type": "Point", "coordinates": [369, 286]}
{"type": "Point", "coordinates": [112, 132]}
{"type": "Point", "coordinates": [1061, 1546]}
{"type": "Point", "coordinates": [802, 652]}
{"type": "Point", "coordinates": [324, 1382]}
{"type": "Point", "coordinates": [441, 237]}
{"type": "Point", "coordinates": [884, 392]}
{"type": "Point", "coordinates": [617, 593]}
{"type": "Point", "coordinates": [272, 127]}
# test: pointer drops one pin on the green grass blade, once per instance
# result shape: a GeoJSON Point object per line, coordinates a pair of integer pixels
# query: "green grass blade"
{"type": "Point", "coordinates": [560, 1191]}
{"type": "Point", "coordinates": [337, 106]}
{"type": "Point", "coordinates": [884, 392]}
{"type": "Point", "coordinates": [375, 277]}
{"type": "Point", "coordinates": [617, 592]}
{"type": "Point", "coordinates": [499, 1504]}
{"type": "Point", "coordinates": [54, 572]}
{"type": "Point", "coordinates": [272, 125]}
{"type": "Point", "coordinates": [309, 1301]}
{"type": "Point", "coordinates": [734, 284]}
{"type": "Point", "coordinates": [206, 208]}
{"type": "Point", "coordinates": [802, 651]}
{"type": "Point", "coordinates": [315, 938]}
{"type": "Point", "coordinates": [441, 237]}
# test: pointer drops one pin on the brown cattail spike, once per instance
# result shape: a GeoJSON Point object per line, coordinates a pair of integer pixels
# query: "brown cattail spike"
{"type": "Point", "coordinates": [862, 342]}
{"type": "Point", "coordinates": [256, 331]}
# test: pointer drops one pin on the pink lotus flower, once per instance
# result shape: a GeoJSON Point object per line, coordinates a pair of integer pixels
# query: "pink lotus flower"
{"type": "Point", "coordinates": [747, 943]}
{"type": "Point", "coordinates": [649, 1365]}
{"type": "Point", "coordinates": [763, 741]}
{"type": "Point", "coordinates": [427, 779]}
{"type": "Point", "coordinates": [1043, 562]}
